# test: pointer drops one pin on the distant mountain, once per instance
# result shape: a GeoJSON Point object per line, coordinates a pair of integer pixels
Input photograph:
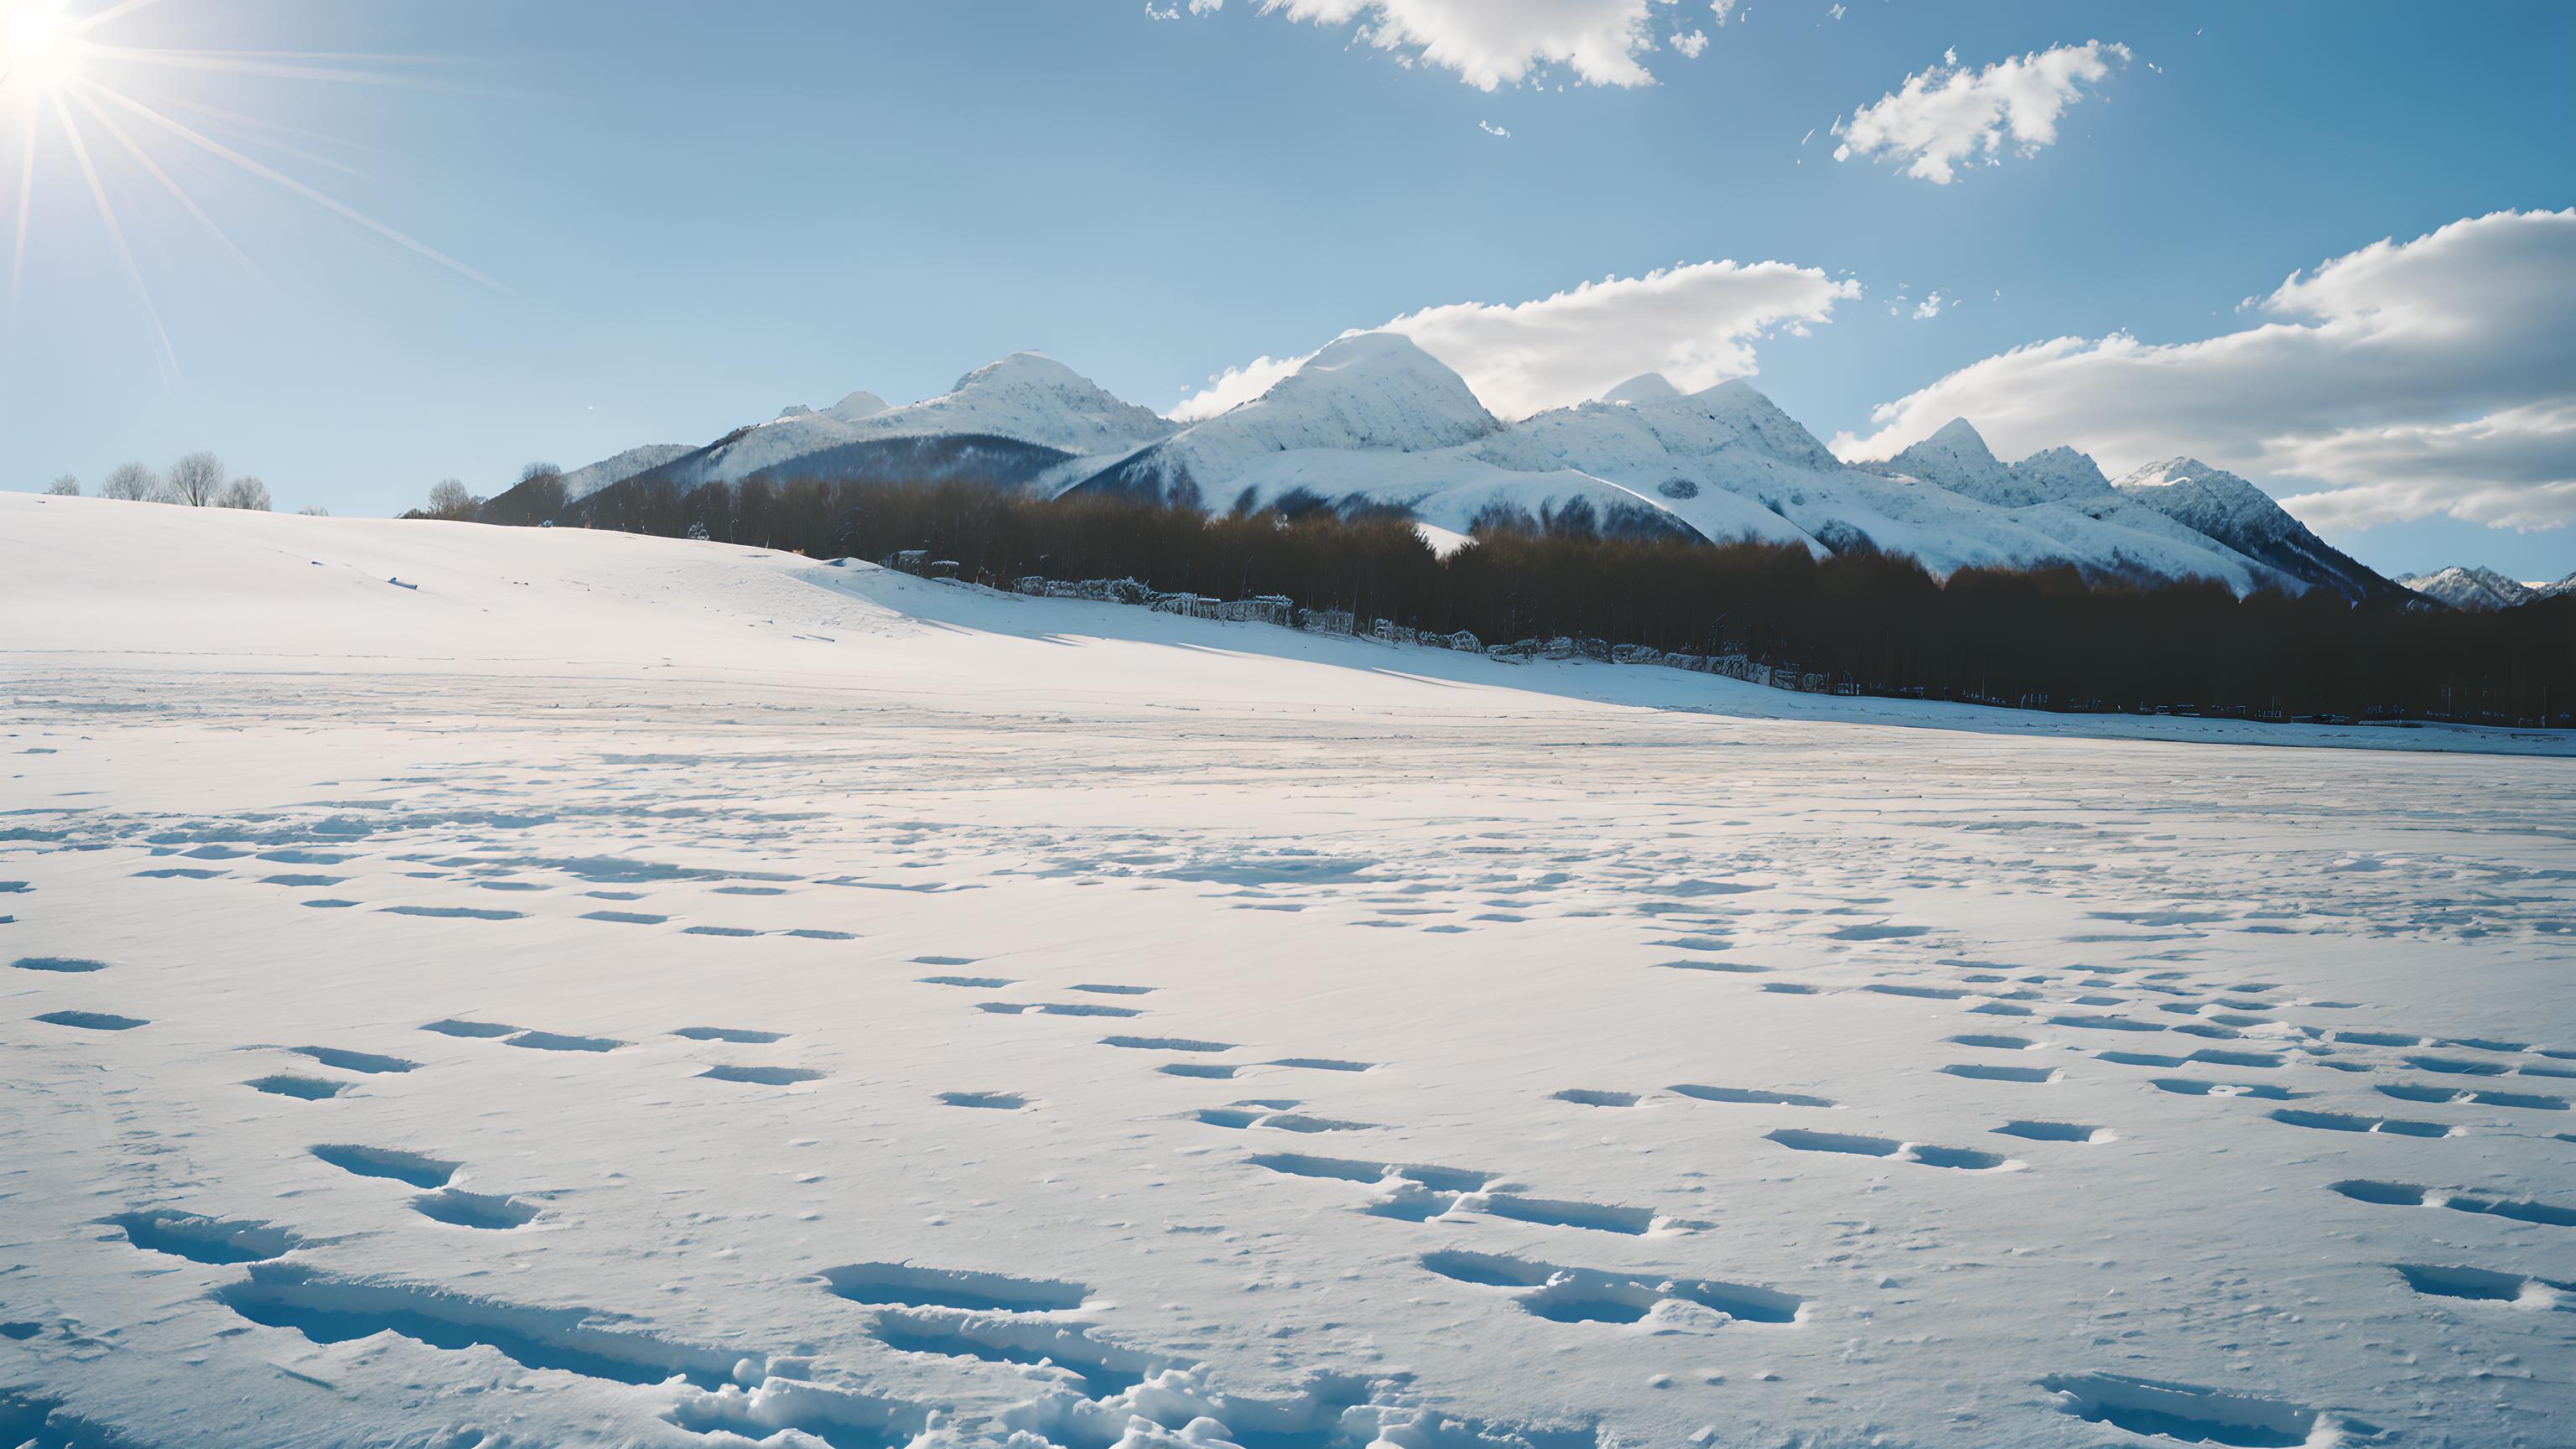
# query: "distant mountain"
{"type": "Point", "coordinates": [2061, 494]}
{"type": "Point", "coordinates": [2244, 517]}
{"type": "Point", "coordinates": [2470, 587]}
{"type": "Point", "coordinates": [580, 483]}
{"type": "Point", "coordinates": [1373, 424]}
{"type": "Point", "coordinates": [1028, 412]}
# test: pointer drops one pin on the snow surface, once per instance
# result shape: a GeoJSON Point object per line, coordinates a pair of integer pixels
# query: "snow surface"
{"type": "Point", "coordinates": [484, 987]}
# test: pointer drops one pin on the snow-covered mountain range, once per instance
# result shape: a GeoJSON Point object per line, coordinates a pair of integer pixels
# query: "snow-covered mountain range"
{"type": "Point", "coordinates": [2470, 587]}
{"type": "Point", "coordinates": [1374, 423]}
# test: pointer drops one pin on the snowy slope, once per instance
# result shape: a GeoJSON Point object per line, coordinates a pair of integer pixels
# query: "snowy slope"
{"type": "Point", "coordinates": [2236, 513]}
{"type": "Point", "coordinates": [626, 992]}
{"type": "Point", "coordinates": [580, 483]}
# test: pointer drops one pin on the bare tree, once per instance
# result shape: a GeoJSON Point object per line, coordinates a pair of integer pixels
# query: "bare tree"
{"type": "Point", "coordinates": [314, 510]}
{"type": "Point", "coordinates": [245, 492]}
{"type": "Point", "coordinates": [66, 486]}
{"type": "Point", "coordinates": [132, 482]}
{"type": "Point", "coordinates": [535, 471]}
{"type": "Point", "coordinates": [196, 479]}
{"type": "Point", "coordinates": [448, 498]}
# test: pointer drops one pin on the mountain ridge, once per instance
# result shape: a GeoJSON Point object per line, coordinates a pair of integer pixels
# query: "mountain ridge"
{"type": "Point", "coordinates": [1372, 423]}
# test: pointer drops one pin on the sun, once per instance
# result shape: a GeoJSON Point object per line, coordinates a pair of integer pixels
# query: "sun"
{"type": "Point", "coordinates": [83, 89]}
{"type": "Point", "coordinates": [40, 48]}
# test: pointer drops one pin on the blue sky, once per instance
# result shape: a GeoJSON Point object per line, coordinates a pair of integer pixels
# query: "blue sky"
{"type": "Point", "coordinates": [691, 215]}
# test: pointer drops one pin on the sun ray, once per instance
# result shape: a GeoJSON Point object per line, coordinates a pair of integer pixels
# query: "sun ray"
{"type": "Point", "coordinates": [26, 205]}
{"type": "Point", "coordinates": [265, 133]}
{"type": "Point", "coordinates": [95, 81]}
{"type": "Point", "coordinates": [168, 357]}
{"type": "Point", "coordinates": [125, 7]}
{"type": "Point", "coordinates": [153, 168]}
{"type": "Point", "coordinates": [281, 64]}
{"type": "Point", "coordinates": [325, 201]}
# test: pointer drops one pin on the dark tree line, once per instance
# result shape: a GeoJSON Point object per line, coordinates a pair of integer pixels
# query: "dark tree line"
{"type": "Point", "coordinates": [2044, 638]}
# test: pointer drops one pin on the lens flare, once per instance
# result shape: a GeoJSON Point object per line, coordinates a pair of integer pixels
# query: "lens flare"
{"type": "Point", "coordinates": [40, 48]}
{"type": "Point", "coordinates": [78, 90]}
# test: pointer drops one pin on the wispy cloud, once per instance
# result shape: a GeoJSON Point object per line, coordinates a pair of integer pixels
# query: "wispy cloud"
{"type": "Point", "coordinates": [1695, 324]}
{"type": "Point", "coordinates": [1947, 114]}
{"type": "Point", "coordinates": [1492, 43]}
{"type": "Point", "coordinates": [2436, 375]}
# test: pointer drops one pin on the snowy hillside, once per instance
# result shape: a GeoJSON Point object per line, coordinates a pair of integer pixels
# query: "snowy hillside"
{"type": "Point", "coordinates": [580, 483]}
{"type": "Point", "coordinates": [509, 987]}
{"type": "Point", "coordinates": [2225, 507]}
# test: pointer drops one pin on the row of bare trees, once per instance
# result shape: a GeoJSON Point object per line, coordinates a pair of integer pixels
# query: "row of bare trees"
{"type": "Point", "coordinates": [535, 498]}
{"type": "Point", "coordinates": [196, 481]}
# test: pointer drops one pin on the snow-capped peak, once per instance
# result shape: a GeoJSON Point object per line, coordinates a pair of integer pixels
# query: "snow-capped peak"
{"type": "Point", "coordinates": [857, 405]}
{"type": "Point", "coordinates": [2471, 587]}
{"type": "Point", "coordinates": [2062, 473]}
{"type": "Point", "coordinates": [2177, 470]}
{"type": "Point", "coordinates": [1961, 438]}
{"type": "Point", "coordinates": [849, 409]}
{"type": "Point", "coordinates": [1957, 458]}
{"type": "Point", "coordinates": [2212, 500]}
{"type": "Point", "coordinates": [1364, 390]}
{"type": "Point", "coordinates": [1031, 397]}
{"type": "Point", "coordinates": [1645, 387]}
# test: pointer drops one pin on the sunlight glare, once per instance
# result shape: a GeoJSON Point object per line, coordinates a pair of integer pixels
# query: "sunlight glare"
{"type": "Point", "coordinates": [40, 47]}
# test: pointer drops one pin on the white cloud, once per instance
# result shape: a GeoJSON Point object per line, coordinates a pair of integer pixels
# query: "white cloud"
{"type": "Point", "coordinates": [1235, 386]}
{"type": "Point", "coordinates": [1493, 130]}
{"type": "Point", "coordinates": [1497, 42]}
{"type": "Point", "coordinates": [1690, 45]}
{"type": "Point", "coordinates": [2436, 375]}
{"type": "Point", "coordinates": [1695, 324]}
{"type": "Point", "coordinates": [1948, 114]}
{"type": "Point", "coordinates": [1929, 307]}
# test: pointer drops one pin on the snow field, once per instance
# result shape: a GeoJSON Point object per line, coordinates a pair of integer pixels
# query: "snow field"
{"type": "Point", "coordinates": [624, 991]}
